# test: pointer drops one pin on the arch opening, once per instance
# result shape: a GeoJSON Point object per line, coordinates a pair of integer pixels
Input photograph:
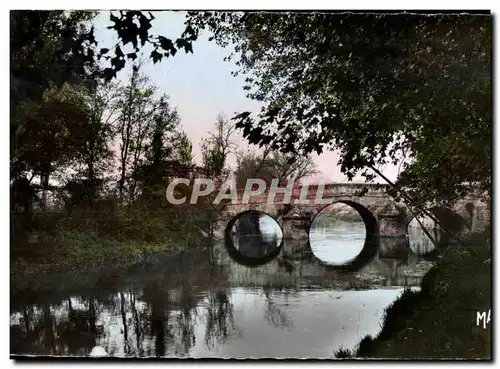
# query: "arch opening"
{"type": "Point", "coordinates": [426, 243]}
{"type": "Point", "coordinates": [253, 238]}
{"type": "Point", "coordinates": [449, 218]}
{"type": "Point", "coordinates": [344, 235]}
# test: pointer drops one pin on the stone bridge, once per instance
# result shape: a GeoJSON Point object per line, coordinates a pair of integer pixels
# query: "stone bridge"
{"type": "Point", "coordinates": [384, 218]}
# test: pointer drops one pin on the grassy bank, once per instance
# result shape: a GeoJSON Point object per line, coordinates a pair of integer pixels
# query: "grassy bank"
{"type": "Point", "coordinates": [82, 250]}
{"type": "Point", "coordinates": [439, 321]}
{"type": "Point", "coordinates": [60, 241]}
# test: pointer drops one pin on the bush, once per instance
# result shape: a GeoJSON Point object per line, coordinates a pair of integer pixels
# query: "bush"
{"type": "Point", "coordinates": [102, 231]}
{"type": "Point", "coordinates": [343, 353]}
{"type": "Point", "coordinates": [439, 321]}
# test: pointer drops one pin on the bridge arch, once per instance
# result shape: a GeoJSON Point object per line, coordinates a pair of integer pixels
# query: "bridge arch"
{"type": "Point", "coordinates": [372, 237]}
{"type": "Point", "coordinates": [448, 218]}
{"type": "Point", "coordinates": [239, 256]}
{"type": "Point", "coordinates": [386, 220]}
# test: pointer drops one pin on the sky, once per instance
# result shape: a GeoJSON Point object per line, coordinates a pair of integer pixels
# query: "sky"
{"type": "Point", "coordinates": [201, 86]}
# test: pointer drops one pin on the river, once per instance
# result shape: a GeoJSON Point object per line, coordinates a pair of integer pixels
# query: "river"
{"type": "Point", "coordinates": [187, 308]}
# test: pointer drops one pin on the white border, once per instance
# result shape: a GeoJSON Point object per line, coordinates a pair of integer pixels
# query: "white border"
{"type": "Point", "coordinates": [258, 5]}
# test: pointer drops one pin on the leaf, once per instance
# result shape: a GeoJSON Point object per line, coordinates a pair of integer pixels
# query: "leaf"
{"type": "Point", "coordinates": [109, 74]}
{"type": "Point", "coordinates": [156, 56]}
{"type": "Point", "coordinates": [166, 43]}
{"type": "Point", "coordinates": [113, 18]}
{"type": "Point", "coordinates": [364, 80]}
{"type": "Point", "coordinates": [118, 51]}
{"type": "Point", "coordinates": [241, 116]}
{"type": "Point", "coordinates": [118, 63]}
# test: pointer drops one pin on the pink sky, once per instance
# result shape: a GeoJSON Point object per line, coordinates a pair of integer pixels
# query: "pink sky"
{"type": "Point", "coordinates": [201, 86]}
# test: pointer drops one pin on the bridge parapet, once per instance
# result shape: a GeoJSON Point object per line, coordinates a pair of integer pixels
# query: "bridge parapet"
{"type": "Point", "coordinates": [392, 217]}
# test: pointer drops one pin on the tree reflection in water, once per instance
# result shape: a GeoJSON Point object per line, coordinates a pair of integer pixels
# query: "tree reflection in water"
{"type": "Point", "coordinates": [161, 323]}
{"type": "Point", "coordinates": [57, 329]}
{"type": "Point", "coordinates": [163, 312]}
{"type": "Point", "coordinates": [220, 324]}
{"type": "Point", "coordinates": [80, 330]}
{"type": "Point", "coordinates": [274, 315]}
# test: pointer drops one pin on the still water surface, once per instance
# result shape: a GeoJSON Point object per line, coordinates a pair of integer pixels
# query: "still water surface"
{"type": "Point", "coordinates": [186, 308]}
{"type": "Point", "coordinates": [340, 244]}
{"type": "Point", "coordinates": [231, 323]}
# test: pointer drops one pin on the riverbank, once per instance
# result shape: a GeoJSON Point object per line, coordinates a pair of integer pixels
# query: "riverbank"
{"type": "Point", "coordinates": [80, 266]}
{"type": "Point", "coordinates": [167, 266]}
{"type": "Point", "coordinates": [440, 320]}
{"type": "Point", "coordinates": [58, 241]}
{"type": "Point", "coordinates": [71, 249]}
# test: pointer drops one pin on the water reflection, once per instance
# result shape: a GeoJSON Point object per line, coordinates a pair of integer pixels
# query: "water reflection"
{"type": "Point", "coordinates": [423, 242]}
{"type": "Point", "coordinates": [256, 235]}
{"type": "Point", "coordinates": [231, 323]}
{"type": "Point", "coordinates": [189, 308]}
{"type": "Point", "coordinates": [337, 234]}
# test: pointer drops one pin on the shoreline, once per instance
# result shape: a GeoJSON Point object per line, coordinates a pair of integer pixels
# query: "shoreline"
{"type": "Point", "coordinates": [443, 306]}
{"type": "Point", "coordinates": [103, 277]}
{"type": "Point", "coordinates": [75, 270]}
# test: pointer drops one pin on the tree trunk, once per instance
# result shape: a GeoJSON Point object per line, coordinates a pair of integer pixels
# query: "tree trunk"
{"type": "Point", "coordinates": [44, 182]}
{"type": "Point", "coordinates": [92, 191]}
{"type": "Point", "coordinates": [126, 347]}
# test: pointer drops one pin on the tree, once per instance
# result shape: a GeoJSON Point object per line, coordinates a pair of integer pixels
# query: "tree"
{"type": "Point", "coordinates": [184, 149]}
{"type": "Point", "coordinates": [215, 150]}
{"type": "Point", "coordinates": [273, 165]}
{"type": "Point", "coordinates": [163, 139]}
{"type": "Point", "coordinates": [45, 48]}
{"type": "Point", "coordinates": [135, 113]}
{"type": "Point", "coordinates": [45, 56]}
{"type": "Point", "coordinates": [217, 147]}
{"type": "Point", "coordinates": [252, 165]}
{"type": "Point", "coordinates": [44, 53]}
{"type": "Point", "coordinates": [96, 132]}
{"type": "Point", "coordinates": [51, 48]}
{"type": "Point", "coordinates": [376, 87]}
{"type": "Point", "coordinates": [289, 167]}
{"type": "Point", "coordinates": [50, 137]}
